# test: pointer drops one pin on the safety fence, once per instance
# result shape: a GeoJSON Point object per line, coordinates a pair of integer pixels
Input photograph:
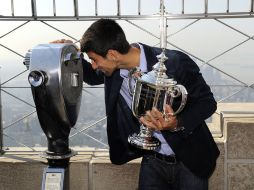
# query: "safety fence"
{"type": "Point", "coordinates": [218, 35]}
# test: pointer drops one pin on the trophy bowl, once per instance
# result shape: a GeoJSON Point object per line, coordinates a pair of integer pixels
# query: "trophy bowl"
{"type": "Point", "coordinates": [153, 89]}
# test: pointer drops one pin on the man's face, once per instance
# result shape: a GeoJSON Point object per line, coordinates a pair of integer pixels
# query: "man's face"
{"type": "Point", "coordinates": [106, 65]}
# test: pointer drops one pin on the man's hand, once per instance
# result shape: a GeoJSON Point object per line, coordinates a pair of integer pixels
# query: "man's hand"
{"type": "Point", "coordinates": [61, 41]}
{"type": "Point", "coordinates": [155, 120]}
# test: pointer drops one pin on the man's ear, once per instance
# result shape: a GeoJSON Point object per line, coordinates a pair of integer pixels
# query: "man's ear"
{"type": "Point", "coordinates": [113, 55]}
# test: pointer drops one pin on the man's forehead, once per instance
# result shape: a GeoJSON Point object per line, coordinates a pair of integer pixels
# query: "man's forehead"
{"type": "Point", "coordinates": [91, 54]}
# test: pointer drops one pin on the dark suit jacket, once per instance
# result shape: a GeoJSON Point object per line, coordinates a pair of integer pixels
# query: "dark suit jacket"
{"type": "Point", "coordinates": [194, 146]}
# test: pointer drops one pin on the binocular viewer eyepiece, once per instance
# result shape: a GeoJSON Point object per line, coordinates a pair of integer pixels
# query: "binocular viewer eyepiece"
{"type": "Point", "coordinates": [37, 78]}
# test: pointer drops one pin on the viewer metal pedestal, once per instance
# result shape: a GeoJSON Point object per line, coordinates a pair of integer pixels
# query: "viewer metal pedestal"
{"type": "Point", "coordinates": [56, 78]}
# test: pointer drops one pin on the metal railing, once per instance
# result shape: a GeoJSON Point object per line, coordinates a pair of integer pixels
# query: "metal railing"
{"type": "Point", "coordinates": [118, 15]}
{"type": "Point", "coordinates": [205, 14]}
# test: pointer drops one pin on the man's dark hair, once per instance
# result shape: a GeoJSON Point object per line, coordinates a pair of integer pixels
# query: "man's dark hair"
{"type": "Point", "coordinates": [103, 35]}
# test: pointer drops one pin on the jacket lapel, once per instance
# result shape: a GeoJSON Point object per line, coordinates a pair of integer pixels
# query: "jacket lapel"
{"type": "Point", "coordinates": [112, 90]}
{"type": "Point", "coordinates": [150, 57]}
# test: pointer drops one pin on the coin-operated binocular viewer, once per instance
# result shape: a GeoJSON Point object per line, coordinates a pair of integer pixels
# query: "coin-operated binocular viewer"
{"type": "Point", "coordinates": [56, 78]}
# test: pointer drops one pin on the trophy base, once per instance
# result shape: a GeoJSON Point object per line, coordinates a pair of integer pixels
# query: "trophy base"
{"type": "Point", "coordinates": [146, 143]}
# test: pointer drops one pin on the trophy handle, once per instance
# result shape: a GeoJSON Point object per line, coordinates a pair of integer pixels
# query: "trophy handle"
{"type": "Point", "coordinates": [131, 89]}
{"type": "Point", "coordinates": [133, 74]}
{"type": "Point", "coordinates": [180, 90]}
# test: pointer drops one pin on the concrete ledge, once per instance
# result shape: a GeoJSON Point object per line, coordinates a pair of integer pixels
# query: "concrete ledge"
{"type": "Point", "coordinates": [239, 155]}
{"type": "Point", "coordinates": [104, 175]}
{"type": "Point", "coordinates": [240, 176]}
{"type": "Point", "coordinates": [240, 141]}
{"type": "Point", "coordinates": [216, 181]}
{"type": "Point", "coordinates": [88, 170]}
{"type": "Point", "coordinates": [24, 170]}
{"type": "Point", "coordinates": [91, 169]}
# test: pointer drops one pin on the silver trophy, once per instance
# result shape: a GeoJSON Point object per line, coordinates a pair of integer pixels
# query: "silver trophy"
{"type": "Point", "coordinates": [154, 89]}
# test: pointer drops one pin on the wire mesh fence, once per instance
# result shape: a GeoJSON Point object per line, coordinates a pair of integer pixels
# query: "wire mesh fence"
{"type": "Point", "coordinates": [219, 37]}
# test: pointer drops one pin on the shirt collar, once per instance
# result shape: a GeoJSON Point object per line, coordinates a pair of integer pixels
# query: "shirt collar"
{"type": "Point", "coordinates": [142, 63]}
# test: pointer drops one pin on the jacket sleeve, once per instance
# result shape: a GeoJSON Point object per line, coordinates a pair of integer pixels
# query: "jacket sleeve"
{"type": "Point", "coordinates": [200, 103]}
{"type": "Point", "coordinates": [91, 76]}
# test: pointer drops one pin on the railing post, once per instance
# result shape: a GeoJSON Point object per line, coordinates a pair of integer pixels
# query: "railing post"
{"type": "Point", "coordinates": [34, 8]}
{"type": "Point", "coordinates": [1, 126]}
{"type": "Point", "coordinates": [76, 12]}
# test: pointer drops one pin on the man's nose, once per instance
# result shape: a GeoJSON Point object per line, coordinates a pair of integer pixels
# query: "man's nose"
{"type": "Point", "coordinates": [94, 65]}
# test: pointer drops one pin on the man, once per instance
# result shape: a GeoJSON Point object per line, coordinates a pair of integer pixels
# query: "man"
{"type": "Point", "coordinates": [186, 158]}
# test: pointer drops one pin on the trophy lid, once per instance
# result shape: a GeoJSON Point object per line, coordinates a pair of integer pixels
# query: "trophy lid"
{"type": "Point", "coordinates": [158, 77]}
